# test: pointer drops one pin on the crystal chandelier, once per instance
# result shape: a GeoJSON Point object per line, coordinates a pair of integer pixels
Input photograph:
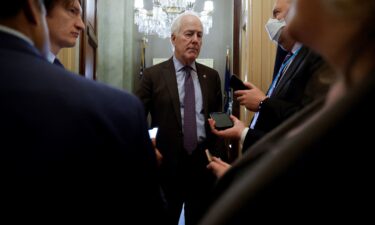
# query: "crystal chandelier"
{"type": "Point", "coordinates": [158, 21]}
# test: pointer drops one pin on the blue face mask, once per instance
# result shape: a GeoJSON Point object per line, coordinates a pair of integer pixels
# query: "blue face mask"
{"type": "Point", "coordinates": [273, 28]}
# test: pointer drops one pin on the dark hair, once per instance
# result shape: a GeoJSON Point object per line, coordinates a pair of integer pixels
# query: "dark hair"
{"type": "Point", "coordinates": [11, 8]}
{"type": "Point", "coordinates": [50, 4]}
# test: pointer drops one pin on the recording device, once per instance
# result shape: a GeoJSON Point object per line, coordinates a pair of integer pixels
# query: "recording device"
{"type": "Point", "coordinates": [222, 120]}
{"type": "Point", "coordinates": [152, 132]}
{"type": "Point", "coordinates": [236, 83]}
{"type": "Point", "coordinates": [209, 156]}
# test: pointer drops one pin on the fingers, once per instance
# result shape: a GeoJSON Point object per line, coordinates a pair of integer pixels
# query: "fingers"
{"type": "Point", "coordinates": [153, 140]}
{"type": "Point", "coordinates": [218, 167]}
{"type": "Point", "coordinates": [249, 85]}
{"type": "Point", "coordinates": [212, 126]}
{"type": "Point", "coordinates": [233, 118]}
{"type": "Point", "coordinates": [219, 161]}
{"type": "Point", "coordinates": [159, 157]}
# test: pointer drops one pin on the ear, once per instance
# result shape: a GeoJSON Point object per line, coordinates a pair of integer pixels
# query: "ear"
{"type": "Point", "coordinates": [173, 38]}
{"type": "Point", "coordinates": [33, 9]}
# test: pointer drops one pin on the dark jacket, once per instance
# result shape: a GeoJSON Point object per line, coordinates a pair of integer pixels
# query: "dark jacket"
{"type": "Point", "coordinates": [71, 148]}
{"type": "Point", "coordinates": [298, 87]}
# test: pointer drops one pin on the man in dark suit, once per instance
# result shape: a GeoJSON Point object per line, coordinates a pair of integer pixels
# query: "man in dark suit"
{"type": "Point", "coordinates": [72, 149]}
{"type": "Point", "coordinates": [301, 78]}
{"type": "Point", "coordinates": [317, 166]}
{"type": "Point", "coordinates": [163, 90]}
{"type": "Point", "coordinates": [64, 19]}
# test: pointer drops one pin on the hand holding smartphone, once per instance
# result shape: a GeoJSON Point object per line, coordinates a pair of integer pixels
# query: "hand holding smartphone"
{"type": "Point", "coordinates": [237, 84]}
{"type": "Point", "coordinates": [222, 120]}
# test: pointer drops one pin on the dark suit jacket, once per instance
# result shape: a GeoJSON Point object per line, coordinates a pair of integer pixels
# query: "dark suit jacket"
{"type": "Point", "coordinates": [291, 94]}
{"type": "Point", "coordinates": [280, 56]}
{"type": "Point", "coordinates": [159, 94]}
{"type": "Point", "coordinates": [71, 148]}
{"type": "Point", "coordinates": [317, 166]}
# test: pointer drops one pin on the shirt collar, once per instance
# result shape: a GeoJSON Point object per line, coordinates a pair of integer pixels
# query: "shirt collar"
{"type": "Point", "coordinates": [179, 66]}
{"type": "Point", "coordinates": [51, 57]}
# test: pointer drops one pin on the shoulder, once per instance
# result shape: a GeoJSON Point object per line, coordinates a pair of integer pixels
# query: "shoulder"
{"type": "Point", "coordinates": [209, 72]}
{"type": "Point", "coordinates": [160, 66]}
{"type": "Point", "coordinates": [310, 55]}
{"type": "Point", "coordinates": [85, 93]}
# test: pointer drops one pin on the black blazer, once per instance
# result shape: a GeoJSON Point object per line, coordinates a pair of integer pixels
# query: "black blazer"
{"type": "Point", "coordinates": [316, 166]}
{"type": "Point", "coordinates": [299, 86]}
{"type": "Point", "coordinates": [70, 147]}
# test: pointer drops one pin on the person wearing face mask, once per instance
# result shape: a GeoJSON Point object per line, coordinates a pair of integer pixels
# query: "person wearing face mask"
{"type": "Point", "coordinates": [318, 166]}
{"type": "Point", "coordinates": [302, 77]}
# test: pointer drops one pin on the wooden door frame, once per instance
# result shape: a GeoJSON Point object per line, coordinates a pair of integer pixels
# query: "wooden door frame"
{"type": "Point", "coordinates": [87, 36]}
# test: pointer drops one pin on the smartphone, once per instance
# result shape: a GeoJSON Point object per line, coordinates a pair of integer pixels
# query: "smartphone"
{"type": "Point", "coordinates": [152, 132]}
{"type": "Point", "coordinates": [222, 120]}
{"type": "Point", "coordinates": [236, 83]}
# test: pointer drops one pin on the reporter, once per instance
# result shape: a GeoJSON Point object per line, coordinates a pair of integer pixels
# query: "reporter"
{"type": "Point", "coordinates": [318, 165]}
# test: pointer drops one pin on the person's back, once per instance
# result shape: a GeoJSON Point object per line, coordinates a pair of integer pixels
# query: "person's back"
{"type": "Point", "coordinates": [71, 148]}
{"type": "Point", "coordinates": [318, 165]}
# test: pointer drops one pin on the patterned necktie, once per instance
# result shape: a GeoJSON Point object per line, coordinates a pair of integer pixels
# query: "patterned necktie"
{"type": "Point", "coordinates": [190, 123]}
{"type": "Point", "coordinates": [275, 81]}
{"type": "Point", "coordinates": [287, 63]}
{"type": "Point", "coordinates": [282, 70]}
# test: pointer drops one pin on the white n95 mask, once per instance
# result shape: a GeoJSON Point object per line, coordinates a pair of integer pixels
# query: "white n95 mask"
{"type": "Point", "coordinates": [273, 28]}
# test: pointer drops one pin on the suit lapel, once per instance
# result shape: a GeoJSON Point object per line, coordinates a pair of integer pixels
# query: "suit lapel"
{"type": "Point", "coordinates": [171, 82]}
{"type": "Point", "coordinates": [291, 71]}
{"type": "Point", "coordinates": [203, 83]}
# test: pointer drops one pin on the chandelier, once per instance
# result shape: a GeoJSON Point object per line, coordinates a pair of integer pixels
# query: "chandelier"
{"type": "Point", "coordinates": [158, 21]}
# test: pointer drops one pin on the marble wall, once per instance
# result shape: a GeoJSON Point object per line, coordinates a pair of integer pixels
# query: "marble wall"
{"type": "Point", "coordinates": [115, 52]}
{"type": "Point", "coordinates": [119, 52]}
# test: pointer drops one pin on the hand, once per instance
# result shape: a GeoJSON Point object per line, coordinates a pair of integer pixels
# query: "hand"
{"type": "Point", "coordinates": [250, 98]}
{"type": "Point", "coordinates": [231, 133]}
{"type": "Point", "coordinates": [159, 156]}
{"type": "Point", "coordinates": [218, 167]}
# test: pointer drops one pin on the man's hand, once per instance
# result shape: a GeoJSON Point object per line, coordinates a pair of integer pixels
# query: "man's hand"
{"type": "Point", "coordinates": [250, 98]}
{"type": "Point", "coordinates": [231, 133]}
{"type": "Point", "coordinates": [218, 167]}
{"type": "Point", "coordinates": [159, 156]}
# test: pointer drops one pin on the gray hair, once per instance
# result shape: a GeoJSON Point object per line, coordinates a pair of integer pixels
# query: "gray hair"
{"type": "Point", "coordinates": [176, 25]}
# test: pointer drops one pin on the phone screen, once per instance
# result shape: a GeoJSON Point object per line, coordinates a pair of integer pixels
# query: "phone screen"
{"type": "Point", "coordinates": [152, 132]}
{"type": "Point", "coordinates": [222, 120]}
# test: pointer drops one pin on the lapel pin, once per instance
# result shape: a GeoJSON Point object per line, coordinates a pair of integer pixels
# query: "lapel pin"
{"type": "Point", "coordinates": [204, 76]}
